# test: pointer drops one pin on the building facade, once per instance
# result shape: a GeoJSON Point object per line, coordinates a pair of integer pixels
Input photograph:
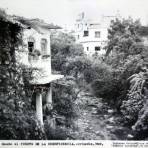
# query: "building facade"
{"type": "Point", "coordinates": [92, 34]}
{"type": "Point", "coordinates": [35, 53]}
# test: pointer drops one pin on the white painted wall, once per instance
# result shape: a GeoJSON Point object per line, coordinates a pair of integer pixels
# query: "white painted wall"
{"type": "Point", "coordinates": [90, 42]}
{"type": "Point", "coordinates": [22, 55]}
{"type": "Point", "coordinates": [89, 48]}
{"type": "Point", "coordinates": [83, 24]}
{"type": "Point", "coordinates": [37, 36]}
{"type": "Point", "coordinates": [91, 37]}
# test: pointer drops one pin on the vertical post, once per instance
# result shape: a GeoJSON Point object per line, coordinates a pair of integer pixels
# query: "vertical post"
{"type": "Point", "coordinates": [49, 97]}
{"type": "Point", "coordinates": [51, 119]}
{"type": "Point", "coordinates": [39, 110]}
{"type": "Point", "coordinates": [49, 51]}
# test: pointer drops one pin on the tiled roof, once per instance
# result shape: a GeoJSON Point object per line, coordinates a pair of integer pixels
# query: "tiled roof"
{"type": "Point", "coordinates": [35, 22]}
{"type": "Point", "coordinates": [25, 22]}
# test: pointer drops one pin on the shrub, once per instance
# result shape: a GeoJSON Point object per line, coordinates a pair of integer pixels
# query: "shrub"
{"type": "Point", "coordinates": [102, 80]}
{"type": "Point", "coordinates": [58, 133]}
{"type": "Point", "coordinates": [64, 103]}
{"type": "Point", "coordinates": [76, 66]}
{"type": "Point", "coordinates": [140, 128]}
{"type": "Point", "coordinates": [63, 46]}
{"type": "Point", "coordinates": [132, 106]}
{"type": "Point", "coordinates": [20, 127]}
{"type": "Point", "coordinates": [106, 88]}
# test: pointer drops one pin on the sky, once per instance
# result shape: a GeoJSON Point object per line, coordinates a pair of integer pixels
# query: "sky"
{"type": "Point", "coordinates": [65, 12]}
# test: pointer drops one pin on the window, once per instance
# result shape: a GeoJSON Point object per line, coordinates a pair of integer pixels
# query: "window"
{"type": "Point", "coordinates": [97, 48]}
{"type": "Point", "coordinates": [31, 44]}
{"type": "Point", "coordinates": [86, 33]}
{"type": "Point", "coordinates": [44, 46]}
{"type": "Point", "coordinates": [87, 48]}
{"type": "Point", "coordinates": [78, 36]}
{"type": "Point", "coordinates": [97, 34]}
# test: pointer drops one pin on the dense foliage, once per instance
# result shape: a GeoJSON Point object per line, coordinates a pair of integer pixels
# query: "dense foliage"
{"type": "Point", "coordinates": [66, 58]}
{"type": "Point", "coordinates": [123, 36]}
{"type": "Point", "coordinates": [126, 55]}
{"type": "Point", "coordinates": [63, 46]}
{"type": "Point", "coordinates": [18, 120]}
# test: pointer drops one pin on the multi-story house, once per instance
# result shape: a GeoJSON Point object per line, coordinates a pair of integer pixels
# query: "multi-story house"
{"type": "Point", "coordinates": [91, 34]}
{"type": "Point", "coordinates": [36, 54]}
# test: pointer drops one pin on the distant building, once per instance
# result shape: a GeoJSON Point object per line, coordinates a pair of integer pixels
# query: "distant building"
{"type": "Point", "coordinates": [92, 34]}
{"type": "Point", "coordinates": [143, 32]}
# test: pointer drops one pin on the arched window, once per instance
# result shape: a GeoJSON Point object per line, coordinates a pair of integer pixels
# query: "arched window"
{"type": "Point", "coordinates": [44, 46]}
{"type": "Point", "coordinates": [31, 44]}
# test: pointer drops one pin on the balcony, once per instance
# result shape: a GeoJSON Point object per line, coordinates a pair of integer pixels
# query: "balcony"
{"type": "Point", "coordinates": [42, 74]}
{"type": "Point", "coordinates": [39, 61]}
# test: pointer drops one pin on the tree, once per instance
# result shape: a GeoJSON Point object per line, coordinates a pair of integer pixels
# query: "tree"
{"type": "Point", "coordinates": [129, 60]}
{"type": "Point", "coordinates": [123, 36]}
{"type": "Point", "coordinates": [63, 46]}
{"type": "Point", "coordinates": [77, 65]}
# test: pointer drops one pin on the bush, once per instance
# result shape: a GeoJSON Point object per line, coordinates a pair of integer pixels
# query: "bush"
{"type": "Point", "coordinates": [76, 66]}
{"type": "Point", "coordinates": [63, 46]}
{"type": "Point", "coordinates": [140, 128]}
{"type": "Point", "coordinates": [131, 107]}
{"type": "Point", "coordinates": [20, 127]}
{"type": "Point", "coordinates": [102, 80]}
{"type": "Point", "coordinates": [64, 103]}
{"type": "Point", "coordinates": [58, 133]}
{"type": "Point", "coordinates": [106, 88]}
{"type": "Point", "coordinates": [134, 103]}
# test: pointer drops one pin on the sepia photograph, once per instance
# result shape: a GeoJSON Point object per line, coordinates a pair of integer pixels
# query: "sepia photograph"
{"type": "Point", "coordinates": [74, 70]}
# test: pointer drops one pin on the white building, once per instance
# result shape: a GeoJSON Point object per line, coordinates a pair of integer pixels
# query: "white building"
{"type": "Point", "coordinates": [91, 34]}
{"type": "Point", "coordinates": [35, 53]}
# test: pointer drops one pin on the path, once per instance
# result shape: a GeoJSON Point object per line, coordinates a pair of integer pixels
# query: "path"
{"type": "Point", "coordinates": [97, 121]}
